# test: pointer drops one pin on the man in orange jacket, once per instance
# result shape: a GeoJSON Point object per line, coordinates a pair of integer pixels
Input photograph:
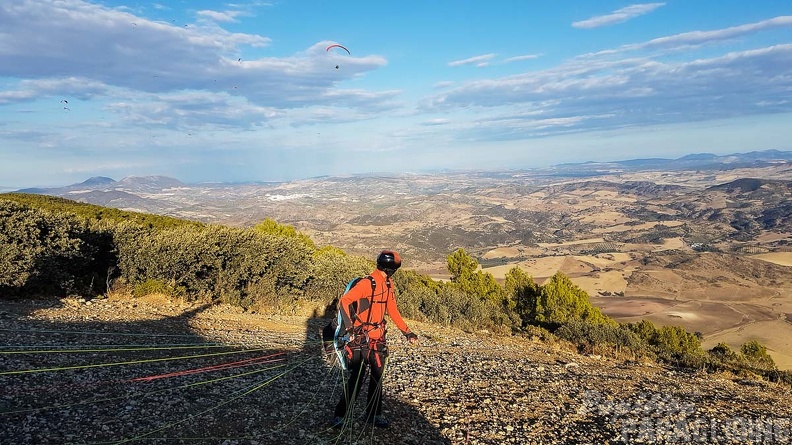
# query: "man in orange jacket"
{"type": "Point", "coordinates": [363, 309]}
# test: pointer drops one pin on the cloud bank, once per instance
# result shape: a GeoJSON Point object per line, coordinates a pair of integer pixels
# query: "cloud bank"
{"type": "Point", "coordinates": [618, 16]}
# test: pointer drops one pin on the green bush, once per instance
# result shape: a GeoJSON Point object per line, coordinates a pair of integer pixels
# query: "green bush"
{"type": "Point", "coordinates": [271, 227]}
{"type": "Point", "coordinates": [447, 304]}
{"type": "Point", "coordinates": [756, 356]}
{"type": "Point", "coordinates": [93, 212]}
{"type": "Point", "coordinates": [523, 295]}
{"type": "Point", "coordinates": [591, 337]}
{"type": "Point", "coordinates": [331, 270]}
{"type": "Point", "coordinates": [152, 287]}
{"type": "Point", "coordinates": [560, 301]}
{"type": "Point", "coordinates": [219, 263]}
{"type": "Point", "coordinates": [724, 354]}
{"type": "Point", "coordinates": [466, 278]}
{"type": "Point", "coordinates": [42, 252]}
{"type": "Point", "coordinates": [674, 342]}
{"type": "Point", "coordinates": [537, 333]}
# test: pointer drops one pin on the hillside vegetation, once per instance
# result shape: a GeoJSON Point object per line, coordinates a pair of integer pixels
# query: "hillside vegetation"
{"type": "Point", "coordinates": [56, 247]}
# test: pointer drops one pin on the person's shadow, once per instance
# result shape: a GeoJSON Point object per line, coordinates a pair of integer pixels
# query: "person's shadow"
{"type": "Point", "coordinates": [81, 381]}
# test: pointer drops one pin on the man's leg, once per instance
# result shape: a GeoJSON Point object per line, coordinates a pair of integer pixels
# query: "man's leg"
{"type": "Point", "coordinates": [376, 361]}
{"type": "Point", "coordinates": [351, 389]}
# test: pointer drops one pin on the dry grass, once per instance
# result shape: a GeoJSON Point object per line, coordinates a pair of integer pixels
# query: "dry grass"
{"type": "Point", "coordinates": [781, 258]}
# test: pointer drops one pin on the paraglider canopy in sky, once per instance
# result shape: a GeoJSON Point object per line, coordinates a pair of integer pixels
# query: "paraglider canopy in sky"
{"type": "Point", "coordinates": [336, 45]}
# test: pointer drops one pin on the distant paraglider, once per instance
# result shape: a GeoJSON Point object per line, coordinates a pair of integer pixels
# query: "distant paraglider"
{"type": "Point", "coordinates": [336, 45]}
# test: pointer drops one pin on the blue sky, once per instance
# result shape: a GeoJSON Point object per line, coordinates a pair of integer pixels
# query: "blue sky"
{"type": "Point", "coordinates": [246, 91]}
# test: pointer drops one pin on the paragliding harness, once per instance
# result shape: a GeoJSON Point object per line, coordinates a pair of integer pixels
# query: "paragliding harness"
{"type": "Point", "coordinates": [353, 345]}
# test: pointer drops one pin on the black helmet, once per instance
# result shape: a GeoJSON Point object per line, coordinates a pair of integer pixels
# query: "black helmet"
{"type": "Point", "coordinates": [388, 261]}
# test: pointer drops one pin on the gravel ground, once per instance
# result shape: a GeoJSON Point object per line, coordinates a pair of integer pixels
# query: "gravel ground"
{"type": "Point", "coordinates": [152, 371]}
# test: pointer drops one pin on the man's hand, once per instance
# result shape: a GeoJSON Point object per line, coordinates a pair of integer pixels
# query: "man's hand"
{"type": "Point", "coordinates": [411, 338]}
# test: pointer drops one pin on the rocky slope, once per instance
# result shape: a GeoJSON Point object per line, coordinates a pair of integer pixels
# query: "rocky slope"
{"type": "Point", "coordinates": [257, 379]}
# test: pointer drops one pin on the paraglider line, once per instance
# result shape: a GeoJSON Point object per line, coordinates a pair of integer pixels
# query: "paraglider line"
{"type": "Point", "coordinates": [110, 399]}
{"type": "Point", "coordinates": [133, 362]}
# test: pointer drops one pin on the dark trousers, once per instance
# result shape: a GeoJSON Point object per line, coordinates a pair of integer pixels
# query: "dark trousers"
{"type": "Point", "coordinates": [374, 360]}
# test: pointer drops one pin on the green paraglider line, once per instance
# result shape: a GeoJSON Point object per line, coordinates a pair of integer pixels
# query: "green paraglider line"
{"type": "Point", "coordinates": [9, 349]}
{"type": "Point", "coordinates": [239, 394]}
{"type": "Point", "coordinates": [110, 399]}
{"type": "Point", "coordinates": [270, 432]}
{"type": "Point", "coordinates": [133, 362]}
{"type": "Point", "coordinates": [115, 349]}
{"type": "Point", "coordinates": [134, 334]}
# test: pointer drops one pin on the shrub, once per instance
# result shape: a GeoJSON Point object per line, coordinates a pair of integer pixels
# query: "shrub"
{"type": "Point", "coordinates": [723, 353]}
{"type": "Point", "coordinates": [466, 277]}
{"type": "Point", "coordinates": [560, 301]}
{"type": "Point", "coordinates": [271, 227]}
{"type": "Point", "coordinates": [523, 294]}
{"type": "Point", "coordinates": [756, 356]}
{"type": "Point", "coordinates": [42, 252]}
{"type": "Point", "coordinates": [238, 266]}
{"type": "Point", "coordinates": [331, 270]}
{"type": "Point", "coordinates": [675, 342]}
{"type": "Point", "coordinates": [591, 337]}
{"type": "Point", "coordinates": [151, 287]}
{"type": "Point", "coordinates": [447, 304]}
{"type": "Point", "coordinates": [538, 333]}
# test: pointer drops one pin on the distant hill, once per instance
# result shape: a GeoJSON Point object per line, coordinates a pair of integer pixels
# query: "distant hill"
{"type": "Point", "coordinates": [695, 161]}
{"type": "Point", "coordinates": [744, 185]}
{"type": "Point", "coordinates": [143, 183]}
{"type": "Point", "coordinates": [103, 183]}
{"type": "Point", "coordinates": [698, 161]}
{"type": "Point", "coordinates": [97, 181]}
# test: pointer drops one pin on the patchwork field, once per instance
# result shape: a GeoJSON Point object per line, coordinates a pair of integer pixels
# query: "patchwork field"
{"type": "Point", "coordinates": [782, 258]}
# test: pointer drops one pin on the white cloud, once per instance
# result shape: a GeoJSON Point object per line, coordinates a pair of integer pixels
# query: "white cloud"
{"type": "Point", "coordinates": [477, 60]}
{"type": "Point", "coordinates": [62, 88]}
{"type": "Point", "coordinates": [627, 92]}
{"type": "Point", "coordinates": [220, 16]}
{"type": "Point", "coordinates": [521, 58]}
{"type": "Point", "coordinates": [112, 49]}
{"type": "Point", "coordinates": [193, 109]}
{"type": "Point", "coordinates": [434, 122]}
{"type": "Point", "coordinates": [618, 16]}
{"type": "Point", "coordinates": [693, 38]}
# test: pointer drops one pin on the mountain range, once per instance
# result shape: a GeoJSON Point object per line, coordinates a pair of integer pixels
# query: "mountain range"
{"type": "Point", "coordinates": [699, 161]}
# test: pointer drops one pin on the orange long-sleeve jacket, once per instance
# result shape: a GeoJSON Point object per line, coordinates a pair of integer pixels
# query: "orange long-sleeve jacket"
{"type": "Point", "coordinates": [358, 308]}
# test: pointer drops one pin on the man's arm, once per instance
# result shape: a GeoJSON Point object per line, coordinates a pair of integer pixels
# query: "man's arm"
{"type": "Point", "coordinates": [393, 311]}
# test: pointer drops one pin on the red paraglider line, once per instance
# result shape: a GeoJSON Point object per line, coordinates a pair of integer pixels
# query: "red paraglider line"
{"type": "Point", "coordinates": [251, 361]}
{"type": "Point", "coordinates": [336, 45]}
